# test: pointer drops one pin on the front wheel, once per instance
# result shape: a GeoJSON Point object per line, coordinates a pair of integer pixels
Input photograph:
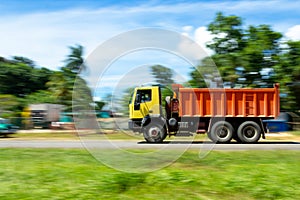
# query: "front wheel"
{"type": "Point", "coordinates": [249, 132]}
{"type": "Point", "coordinates": [154, 133]}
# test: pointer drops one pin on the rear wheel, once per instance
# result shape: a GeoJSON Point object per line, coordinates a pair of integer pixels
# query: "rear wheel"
{"type": "Point", "coordinates": [154, 133]}
{"type": "Point", "coordinates": [249, 132]}
{"type": "Point", "coordinates": [221, 132]}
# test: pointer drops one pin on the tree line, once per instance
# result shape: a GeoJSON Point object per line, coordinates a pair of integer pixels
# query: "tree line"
{"type": "Point", "coordinates": [240, 54]}
{"type": "Point", "coordinates": [23, 83]}
{"type": "Point", "coordinates": [243, 53]}
{"type": "Point", "coordinates": [253, 56]}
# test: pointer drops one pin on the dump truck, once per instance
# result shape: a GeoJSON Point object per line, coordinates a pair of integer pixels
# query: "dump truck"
{"type": "Point", "coordinates": [223, 113]}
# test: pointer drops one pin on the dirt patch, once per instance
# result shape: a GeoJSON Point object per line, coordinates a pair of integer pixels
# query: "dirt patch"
{"type": "Point", "coordinates": [283, 136]}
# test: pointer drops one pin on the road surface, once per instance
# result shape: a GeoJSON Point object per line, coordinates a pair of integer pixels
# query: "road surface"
{"type": "Point", "coordinates": [128, 144]}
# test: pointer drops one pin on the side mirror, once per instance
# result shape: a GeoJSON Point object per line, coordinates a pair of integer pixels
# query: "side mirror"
{"type": "Point", "coordinates": [138, 98]}
{"type": "Point", "coordinates": [137, 106]}
{"type": "Point", "coordinates": [137, 102]}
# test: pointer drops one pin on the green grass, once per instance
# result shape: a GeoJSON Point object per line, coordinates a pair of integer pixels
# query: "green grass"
{"type": "Point", "coordinates": [295, 133]}
{"type": "Point", "coordinates": [75, 174]}
{"type": "Point", "coordinates": [45, 135]}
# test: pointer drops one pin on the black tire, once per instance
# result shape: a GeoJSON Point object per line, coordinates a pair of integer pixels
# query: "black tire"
{"type": "Point", "coordinates": [249, 132]}
{"type": "Point", "coordinates": [154, 133]}
{"type": "Point", "coordinates": [221, 132]}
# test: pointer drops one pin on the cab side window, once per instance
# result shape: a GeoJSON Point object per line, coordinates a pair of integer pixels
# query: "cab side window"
{"type": "Point", "coordinates": [145, 95]}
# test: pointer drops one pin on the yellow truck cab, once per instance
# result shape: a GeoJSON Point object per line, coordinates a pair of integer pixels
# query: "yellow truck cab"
{"type": "Point", "coordinates": [146, 113]}
{"type": "Point", "coordinates": [145, 101]}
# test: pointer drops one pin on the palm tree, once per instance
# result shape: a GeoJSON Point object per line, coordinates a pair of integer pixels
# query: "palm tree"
{"type": "Point", "coordinates": [74, 60]}
{"type": "Point", "coordinates": [61, 87]}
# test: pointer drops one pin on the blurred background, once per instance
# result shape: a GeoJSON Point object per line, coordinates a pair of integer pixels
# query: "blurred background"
{"type": "Point", "coordinates": [247, 51]}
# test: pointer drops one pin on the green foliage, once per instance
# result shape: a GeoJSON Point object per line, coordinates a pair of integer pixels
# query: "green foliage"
{"type": "Point", "coordinates": [125, 100]}
{"type": "Point", "coordinates": [205, 72]}
{"type": "Point", "coordinates": [258, 40]}
{"type": "Point", "coordinates": [162, 75]}
{"type": "Point", "coordinates": [81, 98]}
{"type": "Point", "coordinates": [99, 105]}
{"type": "Point", "coordinates": [236, 47]}
{"type": "Point", "coordinates": [20, 79]}
{"type": "Point", "coordinates": [228, 34]}
{"type": "Point", "coordinates": [251, 48]}
{"type": "Point", "coordinates": [74, 174]}
{"type": "Point", "coordinates": [61, 85]}
{"type": "Point", "coordinates": [27, 61]}
{"type": "Point", "coordinates": [287, 73]}
{"type": "Point", "coordinates": [74, 60]}
{"type": "Point", "coordinates": [8, 102]}
{"type": "Point", "coordinates": [41, 96]}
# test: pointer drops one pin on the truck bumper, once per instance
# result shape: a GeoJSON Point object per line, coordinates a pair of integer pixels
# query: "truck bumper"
{"type": "Point", "coordinates": [135, 126]}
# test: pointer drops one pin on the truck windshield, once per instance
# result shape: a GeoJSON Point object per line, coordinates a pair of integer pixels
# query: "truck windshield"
{"type": "Point", "coordinates": [144, 96]}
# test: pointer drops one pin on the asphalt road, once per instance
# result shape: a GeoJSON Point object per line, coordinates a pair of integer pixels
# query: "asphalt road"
{"type": "Point", "coordinates": [126, 144]}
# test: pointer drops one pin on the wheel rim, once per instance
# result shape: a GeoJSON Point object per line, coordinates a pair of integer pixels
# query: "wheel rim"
{"type": "Point", "coordinates": [222, 132]}
{"type": "Point", "coordinates": [154, 132]}
{"type": "Point", "coordinates": [250, 132]}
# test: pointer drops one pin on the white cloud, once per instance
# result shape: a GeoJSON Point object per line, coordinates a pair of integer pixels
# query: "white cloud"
{"type": "Point", "coordinates": [293, 33]}
{"type": "Point", "coordinates": [45, 36]}
{"type": "Point", "coordinates": [202, 36]}
{"type": "Point", "coordinates": [187, 29]}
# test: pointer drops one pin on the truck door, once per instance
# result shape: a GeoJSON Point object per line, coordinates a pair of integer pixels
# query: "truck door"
{"type": "Point", "coordinates": [146, 102]}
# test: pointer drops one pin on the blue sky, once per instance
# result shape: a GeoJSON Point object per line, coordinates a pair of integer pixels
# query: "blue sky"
{"type": "Point", "coordinates": [43, 30]}
{"type": "Point", "coordinates": [32, 28]}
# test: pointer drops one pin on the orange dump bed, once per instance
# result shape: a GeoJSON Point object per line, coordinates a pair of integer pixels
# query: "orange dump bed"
{"type": "Point", "coordinates": [207, 102]}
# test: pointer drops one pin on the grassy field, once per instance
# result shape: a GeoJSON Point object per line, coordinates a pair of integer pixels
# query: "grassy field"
{"type": "Point", "coordinates": [74, 174]}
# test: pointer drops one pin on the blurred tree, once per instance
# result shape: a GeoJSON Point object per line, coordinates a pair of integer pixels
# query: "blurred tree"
{"type": "Point", "coordinates": [287, 73]}
{"type": "Point", "coordinates": [203, 74]}
{"type": "Point", "coordinates": [99, 105]}
{"type": "Point", "coordinates": [228, 34]}
{"type": "Point", "coordinates": [82, 98]}
{"type": "Point", "coordinates": [227, 44]}
{"type": "Point", "coordinates": [20, 59]}
{"type": "Point", "coordinates": [61, 86]}
{"type": "Point", "coordinates": [227, 64]}
{"type": "Point", "coordinates": [293, 57]}
{"type": "Point", "coordinates": [262, 44]}
{"type": "Point", "coordinates": [8, 102]}
{"type": "Point", "coordinates": [125, 100]}
{"type": "Point", "coordinates": [74, 60]}
{"type": "Point", "coordinates": [41, 96]}
{"type": "Point", "coordinates": [251, 49]}
{"type": "Point", "coordinates": [162, 75]}
{"type": "Point", "coordinates": [63, 82]}
{"type": "Point", "coordinates": [21, 79]}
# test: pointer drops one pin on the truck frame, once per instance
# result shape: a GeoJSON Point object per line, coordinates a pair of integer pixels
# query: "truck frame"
{"type": "Point", "coordinates": [224, 114]}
